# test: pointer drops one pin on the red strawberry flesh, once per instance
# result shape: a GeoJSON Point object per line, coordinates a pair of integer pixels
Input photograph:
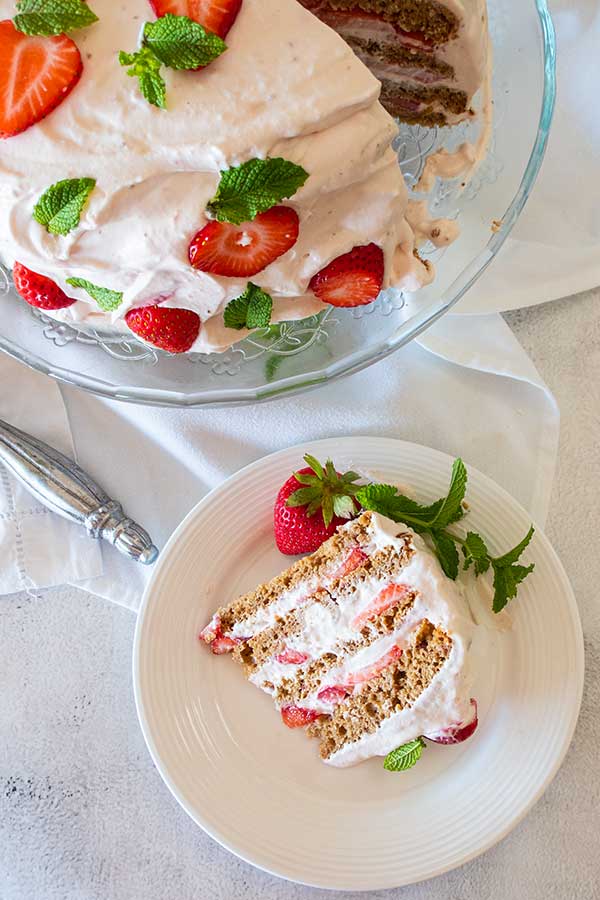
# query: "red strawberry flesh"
{"type": "Point", "coordinates": [240, 251]}
{"type": "Point", "coordinates": [334, 694]}
{"type": "Point", "coordinates": [458, 733]}
{"type": "Point", "coordinates": [354, 279]}
{"type": "Point", "coordinates": [36, 74]}
{"type": "Point", "coordinates": [354, 561]}
{"type": "Point", "coordinates": [292, 657]}
{"type": "Point", "coordinates": [298, 716]}
{"type": "Point", "coordinates": [363, 675]}
{"type": "Point", "coordinates": [173, 330]}
{"type": "Point", "coordinates": [385, 599]}
{"type": "Point", "coordinates": [38, 290]}
{"type": "Point", "coordinates": [215, 15]}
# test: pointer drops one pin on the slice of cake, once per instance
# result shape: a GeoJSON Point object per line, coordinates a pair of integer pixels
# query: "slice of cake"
{"type": "Point", "coordinates": [431, 56]}
{"type": "Point", "coordinates": [365, 641]}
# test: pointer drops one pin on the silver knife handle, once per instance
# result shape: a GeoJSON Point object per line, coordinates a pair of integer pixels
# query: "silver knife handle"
{"type": "Point", "coordinates": [61, 485]}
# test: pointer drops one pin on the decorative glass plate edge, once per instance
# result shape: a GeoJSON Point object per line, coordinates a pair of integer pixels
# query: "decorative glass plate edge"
{"type": "Point", "coordinates": [360, 359]}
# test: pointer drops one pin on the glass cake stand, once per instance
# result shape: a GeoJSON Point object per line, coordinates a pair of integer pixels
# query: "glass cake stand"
{"type": "Point", "coordinates": [296, 356]}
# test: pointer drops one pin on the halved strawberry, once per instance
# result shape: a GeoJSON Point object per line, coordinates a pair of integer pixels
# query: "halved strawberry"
{"type": "Point", "coordinates": [458, 733]}
{"type": "Point", "coordinates": [292, 657]}
{"type": "Point", "coordinates": [376, 668]}
{"type": "Point", "coordinates": [173, 330]}
{"type": "Point", "coordinates": [334, 694]}
{"type": "Point", "coordinates": [385, 599]}
{"type": "Point", "coordinates": [36, 74]}
{"type": "Point", "coordinates": [243, 250]}
{"type": "Point", "coordinates": [298, 716]}
{"type": "Point", "coordinates": [352, 562]}
{"type": "Point", "coordinates": [215, 15]}
{"type": "Point", "coordinates": [39, 291]}
{"type": "Point", "coordinates": [353, 279]}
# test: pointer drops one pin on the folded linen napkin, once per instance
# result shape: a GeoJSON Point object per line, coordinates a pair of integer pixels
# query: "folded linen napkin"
{"type": "Point", "coordinates": [554, 250]}
{"type": "Point", "coordinates": [484, 400]}
{"type": "Point", "coordinates": [37, 548]}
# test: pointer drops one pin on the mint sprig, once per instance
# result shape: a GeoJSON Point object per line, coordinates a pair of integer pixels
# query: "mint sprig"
{"type": "Point", "coordinates": [50, 17]}
{"type": "Point", "coordinates": [60, 206]}
{"type": "Point", "coordinates": [254, 187]}
{"type": "Point", "coordinates": [434, 519]}
{"type": "Point", "coordinates": [181, 43]}
{"type": "Point", "coordinates": [174, 41]}
{"type": "Point", "coordinates": [404, 757]}
{"type": "Point", "coordinates": [106, 299]}
{"type": "Point", "coordinates": [252, 309]}
{"type": "Point", "coordinates": [145, 66]}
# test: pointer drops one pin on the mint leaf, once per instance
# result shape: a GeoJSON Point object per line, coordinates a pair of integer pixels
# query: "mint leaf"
{"type": "Point", "coordinates": [254, 187]}
{"type": "Point", "coordinates": [506, 581]}
{"type": "Point", "coordinates": [145, 66]}
{"type": "Point", "coordinates": [48, 17]}
{"type": "Point", "coordinates": [250, 310]}
{"type": "Point", "coordinates": [385, 499]}
{"type": "Point", "coordinates": [105, 298]}
{"type": "Point", "coordinates": [451, 509]}
{"type": "Point", "coordinates": [404, 757]}
{"type": "Point", "coordinates": [507, 575]}
{"type": "Point", "coordinates": [514, 555]}
{"type": "Point", "coordinates": [60, 206]}
{"type": "Point", "coordinates": [181, 43]}
{"type": "Point", "coordinates": [447, 553]}
{"type": "Point", "coordinates": [476, 553]}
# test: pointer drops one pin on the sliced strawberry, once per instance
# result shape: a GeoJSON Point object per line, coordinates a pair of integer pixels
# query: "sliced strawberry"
{"type": "Point", "coordinates": [385, 599]}
{"type": "Point", "coordinates": [215, 15]}
{"type": "Point", "coordinates": [39, 291]}
{"type": "Point", "coordinates": [353, 279]}
{"type": "Point", "coordinates": [36, 74]}
{"type": "Point", "coordinates": [458, 733]}
{"type": "Point", "coordinates": [376, 668]}
{"type": "Point", "coordinates": [222, 645]}
{"type": "Point", "coordinates": [292, 657]}
{"type": "Point", "coordinates": [243, 250]}
{"type": "Point", "coordinates": [356, 558]}
{"type": "Point", "coordinates": [298, 717]}
{"type": "Point", "coordinates": [334, 694]}
{"type": "Point", "coordinates": [173, 330]}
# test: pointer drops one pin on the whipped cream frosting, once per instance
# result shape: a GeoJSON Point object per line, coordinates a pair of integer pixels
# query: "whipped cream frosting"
{"type": "Point", "coordinates": [287, 86]}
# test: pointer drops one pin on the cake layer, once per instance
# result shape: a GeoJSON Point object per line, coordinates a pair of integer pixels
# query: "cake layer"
{"type": "Point", "coordinates": [353, 638]}
{"type": "Point", "coordinates": [392, 692]}
{"type": "Point", "coordinates": [412, 43]}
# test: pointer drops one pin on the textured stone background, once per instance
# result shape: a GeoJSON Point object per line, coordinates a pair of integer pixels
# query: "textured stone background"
{"type": "Point", "coordinates": [83, 813]}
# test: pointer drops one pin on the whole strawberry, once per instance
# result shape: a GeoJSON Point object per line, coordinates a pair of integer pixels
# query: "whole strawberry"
{"type": "Point", "coordinates": [311, 505]}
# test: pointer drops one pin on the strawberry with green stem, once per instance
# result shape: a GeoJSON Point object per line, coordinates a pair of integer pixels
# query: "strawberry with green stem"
{"type": "Point", "coordinates": [312, 504]}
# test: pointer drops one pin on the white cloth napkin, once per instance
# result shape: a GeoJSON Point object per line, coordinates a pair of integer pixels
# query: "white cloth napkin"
{"type": "Point", "coordinates": [37, 548]}
{"type": "Point", "coordinates": [554, 250]}
{"type": "Point", "coordinates": [484, 401]}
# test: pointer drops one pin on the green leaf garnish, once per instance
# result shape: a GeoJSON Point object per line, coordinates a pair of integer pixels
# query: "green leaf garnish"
{"type": "Point", "coordinates": [252, 309]}
{"type": "Point", "coordinates": [174, 41]}
{"type": "Point", "coordinates": [145, 66]}
{"type": "Point", "coordinates": [404, 757]}
{"type": "Point", "coordinates": [47, 17]}
{"type": "Point", "coordinates": [60, 206]}
{"type": "Point", "coordinates": [323, 489]}
{"type": "Point", "coordinates": [254, 187]}
{"type": "Point", "coordinates": [106, 299]}
{"type": "Point", "coordinates": [181, 43]}
{"type": "Point", "coordinates": [434, 519]}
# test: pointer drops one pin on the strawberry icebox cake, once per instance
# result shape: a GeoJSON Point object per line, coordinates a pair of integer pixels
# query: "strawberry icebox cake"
{"type": "Point", "coordinates": [188, 171]}
{"type": "Point", "coordinates": [365, 643]}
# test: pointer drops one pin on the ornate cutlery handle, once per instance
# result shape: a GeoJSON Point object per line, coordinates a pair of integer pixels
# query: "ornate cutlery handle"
{"type": "Point", "coordinates": [63, 487]}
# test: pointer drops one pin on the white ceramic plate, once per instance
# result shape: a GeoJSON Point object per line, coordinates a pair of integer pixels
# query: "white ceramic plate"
{"type": "Point", "coordinates": [259, 788]}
